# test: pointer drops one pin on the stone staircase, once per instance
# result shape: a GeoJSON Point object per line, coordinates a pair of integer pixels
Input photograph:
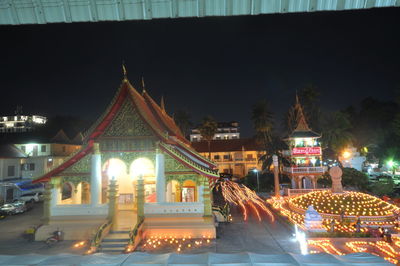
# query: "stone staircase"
{"type": "Point", "coordinates": [115, 242]}
{"type": "Point", "coordinates": [117, 239]}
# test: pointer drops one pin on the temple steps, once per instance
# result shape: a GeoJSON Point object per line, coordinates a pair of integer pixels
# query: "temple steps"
{"type": "Point", "coordinates": [115, 242]}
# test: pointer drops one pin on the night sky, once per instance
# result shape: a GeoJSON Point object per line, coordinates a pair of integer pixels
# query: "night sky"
{"type": "Point", "coordinates": [208, 66]}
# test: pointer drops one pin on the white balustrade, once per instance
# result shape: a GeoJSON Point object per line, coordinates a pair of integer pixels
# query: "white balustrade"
{"type": "Point", "coordinates": [305, 170]}
{"type": "Point", "coordinates": [79, 209]}
{"type": "Point", "coordinates": [175, 208]}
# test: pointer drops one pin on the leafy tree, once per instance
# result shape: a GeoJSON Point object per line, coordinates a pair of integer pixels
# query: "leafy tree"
{"type": "Point", "coordinates": [336, 132]}
{"type": "Point", "coordinates": [350, 178]}
{"type": "Point", "coordinates": [182, 120]}
{"type": "Point", "coordinates": [381, 188]}
{"type": "Point", "coordinates": [353, 178]}
{"type": "Point", "coordinates": [263, 123]}
{"type": "Point", "coordinates": [274, 147]}
{"type": "Point", "coordinates": [207, 129]}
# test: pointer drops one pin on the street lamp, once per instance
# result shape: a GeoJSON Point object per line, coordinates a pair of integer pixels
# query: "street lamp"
{"type": "Point", "coordinates": [258, 181]}
{"type": "Point", "coordinates": [392, 165]}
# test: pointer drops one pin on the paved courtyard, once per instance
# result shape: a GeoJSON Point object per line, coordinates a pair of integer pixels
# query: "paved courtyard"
{"type": "Point", "coordinates": [12, 242]}
{"type": "Point", "coordinates": [239, 236]}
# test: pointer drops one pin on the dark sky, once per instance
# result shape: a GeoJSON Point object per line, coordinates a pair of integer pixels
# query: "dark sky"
{"type": "Point", "coordinates": [217, 66]}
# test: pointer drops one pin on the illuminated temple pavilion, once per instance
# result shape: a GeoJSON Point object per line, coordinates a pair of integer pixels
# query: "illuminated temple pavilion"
{"type": "Point", "coordinates": [134, 164]}
{"type": "Point", "coordinates": [304, 154]}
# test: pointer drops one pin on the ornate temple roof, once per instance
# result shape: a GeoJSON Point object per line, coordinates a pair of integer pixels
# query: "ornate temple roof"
{"type": "Point", "coordinates": [302, 129]}
{"type": "Point", "coordinates": [170, 137]}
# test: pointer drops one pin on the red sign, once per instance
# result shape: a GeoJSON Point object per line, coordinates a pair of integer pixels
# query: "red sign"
{"type": "Point", "coordinates": [306, 151]}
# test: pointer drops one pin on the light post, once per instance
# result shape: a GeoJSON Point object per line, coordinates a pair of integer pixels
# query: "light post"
{"type": "Point", "coordinates": [276, 175]}
{"type": "Point", "coordinates": [258, 180]}
{"type": "Point", "coordinates": [392, 166]}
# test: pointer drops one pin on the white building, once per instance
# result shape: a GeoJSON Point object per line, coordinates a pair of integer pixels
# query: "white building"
{"type": "Point", "coordinates": [20, 163]}
{"type": "Point", "coordinates": [20, 123]}
{"type": "Point", "coordinates": [226, 130]}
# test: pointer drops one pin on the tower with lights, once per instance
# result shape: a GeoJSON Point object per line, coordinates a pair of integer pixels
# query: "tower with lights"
{"type": "Point", "coordinates": [304, 154]}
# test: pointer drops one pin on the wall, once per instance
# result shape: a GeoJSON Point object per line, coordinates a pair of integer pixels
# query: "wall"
{"type": "Point", "coordinates": [4, 163]}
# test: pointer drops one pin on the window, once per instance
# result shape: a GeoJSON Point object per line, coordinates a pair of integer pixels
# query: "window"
{"type": "Point", "coordinates": [43, 148]}
{"type": "Point", "coordinates": [23, 148]}
{"type": "Point", "coordinates": [11, 170]}
{"type": "Point", "coordinates": [31, 167]}
{"type": "Point", "coordinates": [218, 137]}
{"type": "Point", "coordinates": [216, 157]}
{"type": "Point", "coordinates": [227, 156]}
{"type": "Point", "coordinates": [63, 149]}
{"type": "Point", "coordinates": [249, 157]}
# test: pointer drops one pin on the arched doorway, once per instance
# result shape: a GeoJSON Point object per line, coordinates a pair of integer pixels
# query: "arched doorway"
{"type": "Point", "coordinates": [67, 190]}
{"type": "Point", "coordinates": [144, 168]}
{"type": "Point", "coordinates": [189, 191]}
{"type": "Point", "coordinates": [116, 169]}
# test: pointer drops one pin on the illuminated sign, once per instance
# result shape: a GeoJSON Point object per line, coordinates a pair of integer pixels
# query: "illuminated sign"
{"type": "Point", "coordinates": [306, 151]}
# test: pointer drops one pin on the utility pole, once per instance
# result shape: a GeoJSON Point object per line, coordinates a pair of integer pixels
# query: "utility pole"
{"type": "Point", "coordinates": [276, 175]}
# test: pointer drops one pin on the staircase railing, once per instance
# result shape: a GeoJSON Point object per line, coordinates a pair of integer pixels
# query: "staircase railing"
{"type": "Point", "coordinates": [98, 237]}
{"type": "Point", "coordinates": [135, 236]}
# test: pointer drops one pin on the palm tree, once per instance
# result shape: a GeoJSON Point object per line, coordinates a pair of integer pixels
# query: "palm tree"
{"type": "Point", "coordinates": [274, 147]}
{"type": "Point", "coordinates": [263, 124]}
{"type": "Point", "coordinates": [182, 120]}
{"type": "Point", "coordinates": [336, 133]}
{"type": "Point", "coordinates": [207, 129]}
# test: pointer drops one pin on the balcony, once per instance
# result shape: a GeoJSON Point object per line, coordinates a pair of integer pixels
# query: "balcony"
{"type": "Point", "coordinates": [305, 170]}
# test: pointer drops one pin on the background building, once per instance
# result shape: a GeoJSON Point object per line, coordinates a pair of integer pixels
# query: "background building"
{"type": "Point", "coordinates": [226, 130]}
{"type": "Point", "coordinates": [20, 123]}
{"type": "Point", "coordinates": [233, 156]}
{"type": "Point", "coordinates": [29, 157]}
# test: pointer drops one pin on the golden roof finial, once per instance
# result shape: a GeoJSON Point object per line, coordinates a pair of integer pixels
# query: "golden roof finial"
{"type": "Point", "coordinates": [124, 71]}
{"type": "Point", "coordinates": [143, 86]}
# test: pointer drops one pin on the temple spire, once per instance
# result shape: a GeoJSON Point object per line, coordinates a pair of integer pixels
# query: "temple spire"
{"type": "Point", "coordinates": [124, 71]}
{"type": "Point", "coordinates": [162, 104]}
{"type": "Point", "coordinates": [300, 118]}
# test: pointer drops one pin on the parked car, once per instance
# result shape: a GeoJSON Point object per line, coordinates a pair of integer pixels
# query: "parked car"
{"type": "Point", "coordinates": [34, 197]}
{"type": "Point", "coordinates": [14, 208]}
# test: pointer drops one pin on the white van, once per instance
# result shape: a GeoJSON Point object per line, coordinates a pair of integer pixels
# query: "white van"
{"type": "Point", "coordinates": [36, 197]}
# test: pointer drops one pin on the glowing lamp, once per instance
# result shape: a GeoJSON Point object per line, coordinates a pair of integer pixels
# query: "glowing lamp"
{"type": "Point", "coordinates": [346, 154]}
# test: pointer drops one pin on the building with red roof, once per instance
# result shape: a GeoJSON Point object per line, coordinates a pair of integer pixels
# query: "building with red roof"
{"type": "Point", "coordinates": [134, 159]}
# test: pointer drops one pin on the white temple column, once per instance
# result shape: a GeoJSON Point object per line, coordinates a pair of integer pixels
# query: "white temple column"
{"type": "Point", "coordinates": [55, 195]}
{"type": "Point", "coordinates": [95, 178]}
{"type": "Point", "coordinates": [160, 176]}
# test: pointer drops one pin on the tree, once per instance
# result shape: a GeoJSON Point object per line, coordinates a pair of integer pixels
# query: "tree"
{"type": "Point", "coordinates": [207, 129]}
{"type": "Point", "coordinates": [309, 98]}
{"type": "Point", "coordinates": [353, 178]}
{"type": "Point", "coordinates": [263, 123]}
{"type": "Point", "coordinates": [382, 187]}
{"type": "Point", "coordinates": [336, 133]}
{"type": "Point", "coordinates": [274, 147]}
{"type": "Point", "coordinates": [182, 120]}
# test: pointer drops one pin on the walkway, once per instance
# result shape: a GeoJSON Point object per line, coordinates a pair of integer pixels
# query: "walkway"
{"type": "Point", "coordinates": [253, 236]}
